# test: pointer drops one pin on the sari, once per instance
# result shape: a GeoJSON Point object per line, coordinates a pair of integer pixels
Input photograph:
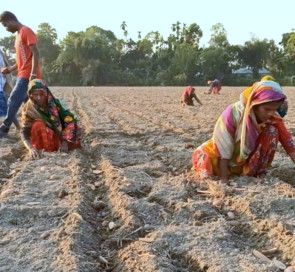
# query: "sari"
{"type": "Point", "coordinates": [237, 136]}
{"type": "Point", "coordinates": [215, 86]}
{"type": "Point", "coordinates": [47, 128]}
{"type": "Point", "coordinates": [188, 95]}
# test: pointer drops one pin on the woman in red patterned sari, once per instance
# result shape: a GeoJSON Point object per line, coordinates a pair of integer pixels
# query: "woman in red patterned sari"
{"type": "Point", "coordinates": [46, 124]}
{"type": "Point", "coordinates": [188, 95]}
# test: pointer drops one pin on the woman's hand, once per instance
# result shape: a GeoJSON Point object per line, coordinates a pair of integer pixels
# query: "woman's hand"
{"type": "Point", "coordinates": [34, 154]}
{"type": "Point", "coordinates": [6, 70]}
{"type": "Point", "coordinates": [64, 147]}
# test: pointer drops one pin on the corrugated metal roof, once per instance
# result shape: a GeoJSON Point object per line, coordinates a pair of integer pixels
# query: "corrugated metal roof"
{"type": "Point", "coordinates": [249, 71]}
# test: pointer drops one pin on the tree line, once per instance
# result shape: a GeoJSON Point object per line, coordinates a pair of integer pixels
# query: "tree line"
{"type": "Point", "coordinates": [97, 57]}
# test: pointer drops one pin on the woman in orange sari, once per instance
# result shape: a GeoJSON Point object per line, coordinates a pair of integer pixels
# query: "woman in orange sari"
{"type": "Point", "coordinates": [188, 95]}
{"type": "Point", "coordinates": [246, 134]}
{"type": "Point", "coordinates": [46, 124]}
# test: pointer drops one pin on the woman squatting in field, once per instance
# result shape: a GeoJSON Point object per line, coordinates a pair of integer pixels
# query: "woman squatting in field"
{"type": "Point", "coordinates": [46, 124]}
{"type": "Point", "coordinates": [215, 86]}
{"type": "Point", "coordinates": [246, 134]}
{"type": "Point", "coordinates": [188, 95]}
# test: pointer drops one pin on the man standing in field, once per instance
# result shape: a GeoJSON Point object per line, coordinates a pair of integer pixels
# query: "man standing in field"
{"type": "Point", "coordinates": [27, 64]}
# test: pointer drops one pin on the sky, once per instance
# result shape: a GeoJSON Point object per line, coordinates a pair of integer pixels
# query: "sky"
{"type": "Point", "coordinates": [242, 20]}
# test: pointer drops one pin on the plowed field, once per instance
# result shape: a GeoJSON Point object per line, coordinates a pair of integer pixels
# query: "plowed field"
{"type": "Point", "coordinates": [128, 201]}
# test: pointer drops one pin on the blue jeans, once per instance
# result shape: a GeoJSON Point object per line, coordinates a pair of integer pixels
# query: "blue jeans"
{"type": "Point", "coordinates": [16, 98]}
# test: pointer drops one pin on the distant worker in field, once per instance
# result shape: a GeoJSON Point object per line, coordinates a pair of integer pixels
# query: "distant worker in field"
{"type": "Point", "coordinates": [215, 86]}
{"type": "Point", "coordinates": [6, 86]}
{"type": "Point", "coordinates": [46, 124]}
{"type": "Point", "coordinates": [27, 66]}
{"type": "Point", "coordinates": [246, 135]}
{"type": "Point", "coordinates": [188, 95]}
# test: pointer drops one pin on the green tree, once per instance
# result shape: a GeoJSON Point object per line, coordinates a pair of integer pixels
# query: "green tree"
{"type": "Point", "coordinates": [47, 42]}
{"type": "Point", "coordinates": [136, 63]}
{"type": "Point", "coordinates": [124, 28]}
{"type": "Point", "coordinates": [177, 59]}
{"type": "Point", "coordinates": [218, 36]}
{"type": "Point", "coordinates": [213, 62]}
{"type": "Point", "coordinates": [88, 58]}
{"type": "Point", "coordinates": [254, 54]}
{"type": "Point", "coordinates": [7, 44]}
{"type": "Point", "coordinates": [285, 60]}
{"type": "Point", "coordinates": [290, 45]}
{"type": "Point", "coordinates": [49, 50]}
{"type": "Point", "coordinates": [193, 34]}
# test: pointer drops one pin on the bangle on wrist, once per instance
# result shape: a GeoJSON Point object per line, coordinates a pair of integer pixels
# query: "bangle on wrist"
{"type": "Point", "coordinates": [33, 74]}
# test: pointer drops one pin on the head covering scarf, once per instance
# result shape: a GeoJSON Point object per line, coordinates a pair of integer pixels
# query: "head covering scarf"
{"type": "Point", "coordinates": [187, 94]}
{"type": "Point", "coordinates": [56, 116]}
{"type": "Point", "coordinates": [188, 91]}
{"type": "Point", "coordinates": [265, 78]}
{"type": "Point", "coordinates": [283, 109]}
{"type": "Point", "coordinates": [237, 130]}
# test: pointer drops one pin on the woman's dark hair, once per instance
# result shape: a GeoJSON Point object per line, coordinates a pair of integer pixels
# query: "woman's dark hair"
{"type": "Point", "coordinates": [6, 16]}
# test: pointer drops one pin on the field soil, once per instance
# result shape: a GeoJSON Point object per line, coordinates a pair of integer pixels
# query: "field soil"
{"type": "Point", "coordinates": [129, 201]}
